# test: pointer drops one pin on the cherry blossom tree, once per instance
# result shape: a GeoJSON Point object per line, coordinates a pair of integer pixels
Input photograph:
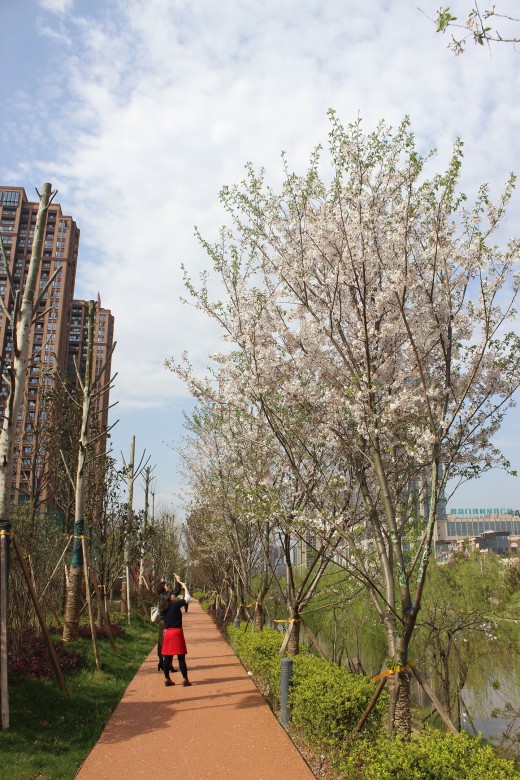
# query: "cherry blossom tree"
{"type": "Point", "coordinates": [369, 310]}
{"type": "Point", "coordinates": [221, 468]}
{"type": "Point", "coordinates": [237, 466]}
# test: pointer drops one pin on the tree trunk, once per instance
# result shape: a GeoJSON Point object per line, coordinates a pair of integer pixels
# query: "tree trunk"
{"type": "Point", "coordinates": [21, 323]}
{"type": "Point", "coordinates": [144, 529]}
{"type": "Point", "coordinates": [293, 646]}
{"type": "Point", "coordinates": [74, 603]}
{"type": "Point", "coordinates": [259, 619]}
{"type": "Point", "coordinates": [233, 602]}
{"type": "Point", "coordinates": [122, 603]}
{"type": "Point", "coordinates": [125, 582]}
{"type": "Point", "coordinates": [5, 536]}
{"type": "Point", "coordinates": [403, 707]}
{"type": "Point", "coordinates": [445, 659]}
{"type": "Point", "coordinates": [241, 603]}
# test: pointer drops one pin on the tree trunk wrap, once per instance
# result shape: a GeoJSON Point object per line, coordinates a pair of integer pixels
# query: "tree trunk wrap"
{"type": "Point", "coordinates": [403, 710]}
{"type": "Point", "coordinates": [73, 607]}
{"type": "Point", "coordinates": [400, 711]}
{"type": "Point", "coordinates": [77, 548]}
{"type": "Point", "coordinates": [123, 591]}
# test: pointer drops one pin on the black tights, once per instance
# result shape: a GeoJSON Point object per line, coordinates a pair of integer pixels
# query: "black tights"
{"type": "Point", "coordinates": [166, 663]}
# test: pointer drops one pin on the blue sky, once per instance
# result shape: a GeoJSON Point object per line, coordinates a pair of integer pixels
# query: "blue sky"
{"type": "Point", "coordinates": [139, 111]}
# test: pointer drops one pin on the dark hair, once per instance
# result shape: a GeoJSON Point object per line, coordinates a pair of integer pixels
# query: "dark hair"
{"type": "Point", "coordinates": [176, 589]}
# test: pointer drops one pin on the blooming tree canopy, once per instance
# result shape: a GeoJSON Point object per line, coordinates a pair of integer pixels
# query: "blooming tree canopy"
{"type": "Point", "coordinates": [368, 313]}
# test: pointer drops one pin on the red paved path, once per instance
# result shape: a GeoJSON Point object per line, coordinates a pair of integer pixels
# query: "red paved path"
{"type": "Point", "coordinates": [221, 727]}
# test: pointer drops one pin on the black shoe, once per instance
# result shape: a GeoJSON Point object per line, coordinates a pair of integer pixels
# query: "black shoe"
{"type": "Point", "coordinates": [167, 683]}
{"type": "Point", "coordinates": [173, 669]}
{"type": "Point", "coordinates": [186, 682]}
{"type": "Point", "coordinates": [159, 666]}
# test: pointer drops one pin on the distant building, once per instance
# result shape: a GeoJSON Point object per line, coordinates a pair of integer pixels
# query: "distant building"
{"type": "Point", "coordinates": [495, 541]}
{"type": "Point", "coordinates": [50, 336]}
{"type": "Point", "coordinates": [77, 351]}
{"type": "Point", "coordinates": [493, 528]}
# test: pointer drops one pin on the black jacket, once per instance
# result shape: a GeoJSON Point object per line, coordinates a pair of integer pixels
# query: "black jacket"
{"type": "Point", "coordinates": [172, 616]}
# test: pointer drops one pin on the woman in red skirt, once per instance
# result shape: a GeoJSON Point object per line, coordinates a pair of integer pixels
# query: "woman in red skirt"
{"type": "Point", "coordinates": [173, 640]}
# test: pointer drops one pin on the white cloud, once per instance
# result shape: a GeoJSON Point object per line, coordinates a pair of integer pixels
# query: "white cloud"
{"type": "Point", "coordinates": [56, 6]}
{"type": "Point", "coordinates": [156, 104]}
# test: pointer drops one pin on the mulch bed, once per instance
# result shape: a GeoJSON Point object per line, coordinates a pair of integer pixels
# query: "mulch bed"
{"type": "Point", "coordinates": [34, 659]}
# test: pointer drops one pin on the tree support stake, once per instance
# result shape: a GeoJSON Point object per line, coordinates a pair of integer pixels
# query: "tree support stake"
{"type": "Point", "coordinates": [41, 619]}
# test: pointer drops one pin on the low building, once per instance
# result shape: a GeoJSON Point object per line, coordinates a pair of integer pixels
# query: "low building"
{"type": "Point", "coordinates": [484, 528]}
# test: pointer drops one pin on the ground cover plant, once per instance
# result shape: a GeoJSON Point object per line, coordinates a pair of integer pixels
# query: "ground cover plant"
{"type": "Point", "coordinates": [51, 734]}
{"type": "Point", "coordinates": [328, 700]}
{"type": "Point", "coordinates": [35, 660]}
{"type": "Point", "coordinates": [259, 653]}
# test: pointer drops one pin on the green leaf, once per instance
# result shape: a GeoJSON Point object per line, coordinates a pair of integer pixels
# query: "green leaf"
{"type": "Point", "coordinates": [444, 19]}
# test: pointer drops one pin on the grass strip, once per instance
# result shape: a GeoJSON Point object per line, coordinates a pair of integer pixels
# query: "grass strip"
{"type": "Point", "coordinates": [51, 734]}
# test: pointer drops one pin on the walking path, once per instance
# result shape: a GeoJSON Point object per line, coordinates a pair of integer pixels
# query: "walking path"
{"type": "Point", "coordinates": [221, 727]}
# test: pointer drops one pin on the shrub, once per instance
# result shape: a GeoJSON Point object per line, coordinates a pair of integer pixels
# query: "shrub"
{"type": "Point", "coordinates": [259, 653]}
{"type": "Point", "coordinates": [35, 660]}
{"type": "Point", "coordinates": [431, 755]}
{"type": "Point", "coordinates": [328, 700]}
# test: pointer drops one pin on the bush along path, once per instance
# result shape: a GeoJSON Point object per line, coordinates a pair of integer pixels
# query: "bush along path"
{"type": "Point", "coordinates": [327, 702]}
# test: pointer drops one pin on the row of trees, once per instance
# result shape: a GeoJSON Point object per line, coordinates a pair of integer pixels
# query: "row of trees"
{"type": "Point", "coordinates": [92, 525]}
{"type": "Point", "coordinates": [369, 365]}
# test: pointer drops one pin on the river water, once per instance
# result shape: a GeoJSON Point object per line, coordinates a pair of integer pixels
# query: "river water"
{"type": "Point", "coordinates": [482, 701]}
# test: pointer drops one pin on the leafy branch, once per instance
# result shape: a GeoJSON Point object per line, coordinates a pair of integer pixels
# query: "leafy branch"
{"type": "Point", "coordinates": [477, 27]}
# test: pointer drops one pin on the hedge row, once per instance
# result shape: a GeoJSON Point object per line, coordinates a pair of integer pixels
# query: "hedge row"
{"type": "Point", "coordinates": [325, 699]}
{"type": "Point", "coordinates": [327, 702]}
{"type": "Point", "coordinates": [259, 653]}
{"type": "Point", "coordinates": [430, 755]}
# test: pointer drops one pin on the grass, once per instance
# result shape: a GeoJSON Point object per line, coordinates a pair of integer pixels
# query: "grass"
{"type": "Point", "coordinates": [51, 734]}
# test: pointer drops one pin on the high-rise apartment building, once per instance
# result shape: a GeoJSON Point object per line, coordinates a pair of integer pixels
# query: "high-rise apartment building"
{"type": "Point", "coordinates": [77, 352]}
{"type": "Point", "coordinates": [51, 335]}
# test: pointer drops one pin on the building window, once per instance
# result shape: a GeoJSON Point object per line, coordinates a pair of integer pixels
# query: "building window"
{"type": "Point", "coordinates": [11, 198]}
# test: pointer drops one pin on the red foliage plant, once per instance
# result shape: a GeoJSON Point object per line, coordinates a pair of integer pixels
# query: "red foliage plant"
{"type": "Point", "coordinates": [35, 660]}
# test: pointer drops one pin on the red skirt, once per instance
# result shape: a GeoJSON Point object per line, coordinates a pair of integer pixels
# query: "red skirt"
{"type": "Point", "coordinates": [174, 642]}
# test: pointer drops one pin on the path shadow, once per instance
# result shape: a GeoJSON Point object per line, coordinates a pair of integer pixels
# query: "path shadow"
{"type": "Point", "coordinates": [195, 665]}
{"type": "Point", "coordinates": [214, 680]}
{"type": "Point", "coordinates": [248, 701]}
{"type": "Point", "coordinates": [203, 640]}
{"type": "Point", "coordinates": [138, 718]}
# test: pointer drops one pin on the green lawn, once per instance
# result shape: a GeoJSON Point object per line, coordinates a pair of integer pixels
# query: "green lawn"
{"type": "Point", "coordinates": [50, 734]}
